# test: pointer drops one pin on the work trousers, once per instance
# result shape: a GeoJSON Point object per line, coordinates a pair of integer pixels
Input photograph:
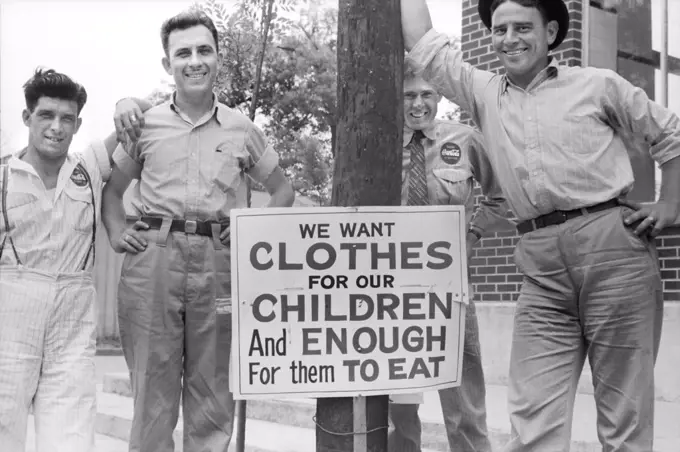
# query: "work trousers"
{"type": "Point", "coordinates": [592, 289]}
{"type": "Point", "coordinates": [47, 347]}
{"type": "Point", "coordinates": [175, 323]}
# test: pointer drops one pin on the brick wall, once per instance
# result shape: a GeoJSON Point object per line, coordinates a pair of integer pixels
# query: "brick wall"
{"type": "Point", "coordinates": [669, 254]}
{"type": "Point", "coordinates": [492, 270]}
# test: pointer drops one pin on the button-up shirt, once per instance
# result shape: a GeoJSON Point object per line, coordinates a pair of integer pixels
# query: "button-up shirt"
{"type": "Point", "coordinates": [562, 143]}
{"type": "Point", "coordinates": [454, 159]}
{"type": "Point", "coordinates": [52, 230]}
{"type": "Point", "coordinates": [195, 170]}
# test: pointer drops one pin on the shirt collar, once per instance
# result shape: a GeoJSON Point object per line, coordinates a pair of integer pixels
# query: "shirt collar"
{"type": "Point", "coordinates": [215, 109]}
{"type": "Point", "coordinates": [222, 112]}
{"type": "Point", "coordinates": [550, 71]}
{"type": "Point", "coordinates": [430, 132]}
{"type": "Point", "coordinates": [16, 163]}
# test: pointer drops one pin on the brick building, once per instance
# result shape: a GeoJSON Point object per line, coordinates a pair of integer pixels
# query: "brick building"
{"type": "Point", "coordinates": [618, 39]}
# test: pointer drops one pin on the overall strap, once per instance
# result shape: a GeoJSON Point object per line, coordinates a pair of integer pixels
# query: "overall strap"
{"type": "Point", "coordinates": [3, 205]}
{"type": "Point", "coordinates": [94, 217]}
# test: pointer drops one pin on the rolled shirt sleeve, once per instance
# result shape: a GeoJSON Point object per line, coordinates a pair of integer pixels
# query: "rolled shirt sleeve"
{"type": "Point", "coordinates": [127, 160]}
{"type": "Point", "coordinates": [629, 108]}
{"type": "Point", "coordinates": [262, 158]}
{"type": "Point", "coordinates": [441, 64]}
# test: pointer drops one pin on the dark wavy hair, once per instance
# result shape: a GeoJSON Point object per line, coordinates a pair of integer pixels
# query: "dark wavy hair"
{"type": "Point", "coordinates": [50, 83]}
{"type": "Point", "coordinates": [184, 20]}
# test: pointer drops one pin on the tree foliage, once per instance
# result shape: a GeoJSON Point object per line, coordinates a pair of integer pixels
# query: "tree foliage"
{"type": "Point", "coordinates": [246, 37]}
{"type": "Point", "coordinates": [453, 114]}
{"type": "Point", "coordinates": [160, 95]}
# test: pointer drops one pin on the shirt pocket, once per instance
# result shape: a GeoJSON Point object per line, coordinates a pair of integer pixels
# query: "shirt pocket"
{"type": "Point", "coordinates": [452, 185]}
{"type": "Point", "coordinates": [78, 209]}
{"type": "Point", "coordinates": [226, 167]}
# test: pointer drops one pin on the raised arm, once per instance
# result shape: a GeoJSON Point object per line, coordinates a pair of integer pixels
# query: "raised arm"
{"type": "Point", "coordinates": [415, 21]}
{"type": "Point", "coordinates": [129, 112]}
{"type": "Point", "coordinates": [128, 120]}
{"type": "Point", "coordinates": [440, 61]}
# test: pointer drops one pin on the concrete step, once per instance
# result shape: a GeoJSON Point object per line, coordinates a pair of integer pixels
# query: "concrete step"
{"type": "Point", "coordinates": [114, 419]}
{"type": "Point", "coordinates": [297, 413]}
{"type": "Point", "coordinates": [296, 416]}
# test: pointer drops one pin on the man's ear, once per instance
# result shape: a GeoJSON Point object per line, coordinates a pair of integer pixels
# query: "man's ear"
{"type": "Point", "coordinates": [166, 65]}
{"type": "Point", "coordinates": [552, 29]}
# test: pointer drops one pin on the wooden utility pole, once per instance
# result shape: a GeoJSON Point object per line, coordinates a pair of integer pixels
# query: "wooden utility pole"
{"type": "Point", "coordinates": [367, 173]}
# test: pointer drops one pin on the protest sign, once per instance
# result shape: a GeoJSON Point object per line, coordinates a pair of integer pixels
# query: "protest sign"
{"type": "Point", "coordinates": [341, 302]}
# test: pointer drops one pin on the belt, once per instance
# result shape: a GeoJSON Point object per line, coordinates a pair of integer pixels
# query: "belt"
{"type": "Point", "coordinates": [186, 226]}
{"type": "Point", "coordinates": [560, 216]}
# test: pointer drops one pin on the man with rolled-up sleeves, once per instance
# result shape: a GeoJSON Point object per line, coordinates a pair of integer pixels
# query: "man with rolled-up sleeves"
{"type": "Point", "coordinates": [559, 139]}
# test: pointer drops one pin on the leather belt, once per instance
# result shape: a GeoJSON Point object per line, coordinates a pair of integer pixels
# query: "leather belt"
{"type": "Point", "coordinates": [186, 226]}
{"type": "Point", "coordinates": [560, 216]}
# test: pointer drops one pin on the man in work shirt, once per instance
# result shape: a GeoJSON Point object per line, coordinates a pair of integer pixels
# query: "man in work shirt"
{"type": "Point", "coordinates": [442, 159]}
{"type": "Point", "coordinates": [557, 138]}
{"type": "Point", "coordinates": [174, 294]}
{"type": "Point", "coordinates": [50, 203]}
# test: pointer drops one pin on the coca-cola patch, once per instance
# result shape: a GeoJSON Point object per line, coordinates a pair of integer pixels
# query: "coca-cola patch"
{"type": "Point", "coordinates": [78, 177]}
{"type": "Point", "coordinates": [450, 153]}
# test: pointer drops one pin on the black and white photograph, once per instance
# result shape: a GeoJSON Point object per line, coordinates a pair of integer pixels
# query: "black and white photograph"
{"type": "Point", "coordinates": [340, 226]}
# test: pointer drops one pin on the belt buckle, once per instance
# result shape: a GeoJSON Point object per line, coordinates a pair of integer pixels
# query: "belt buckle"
{"type": "Point", "coordinates": [561, 216]}
{"type": "Point", "coordinates": [190, 226]}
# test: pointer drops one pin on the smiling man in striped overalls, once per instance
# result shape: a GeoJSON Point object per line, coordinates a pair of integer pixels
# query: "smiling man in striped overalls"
{"type": "Point", "coordinates": [50, 201]}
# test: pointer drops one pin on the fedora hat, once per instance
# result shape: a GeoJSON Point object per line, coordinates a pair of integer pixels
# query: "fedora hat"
{"type": "Point", "coordinates": [556, 10]}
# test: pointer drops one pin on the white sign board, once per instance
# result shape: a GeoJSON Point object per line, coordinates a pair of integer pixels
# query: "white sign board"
{"type": "Point", "coordinates": [341, 302]}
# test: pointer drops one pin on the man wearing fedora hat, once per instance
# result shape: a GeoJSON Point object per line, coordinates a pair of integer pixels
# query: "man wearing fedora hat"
{"type": "Point", "coordinates": [558, 139]}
